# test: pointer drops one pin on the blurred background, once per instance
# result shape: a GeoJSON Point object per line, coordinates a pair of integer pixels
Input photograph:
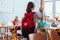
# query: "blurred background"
{"type": "Point", "coordinates": [11, 8]}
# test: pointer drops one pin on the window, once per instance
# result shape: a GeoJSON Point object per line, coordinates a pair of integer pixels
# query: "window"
{"type": "Point", "coordinates": [57, 9]}
{"type": "Point", "coordinates": [57, 0]}
{"type": "Point", "coordinates": [49, 9]}
{"type": "Point", "coordinates": [48, 0]}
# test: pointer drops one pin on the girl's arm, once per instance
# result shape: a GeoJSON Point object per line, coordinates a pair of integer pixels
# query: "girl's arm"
{"type": "Point", "coordinates": [37, 27]}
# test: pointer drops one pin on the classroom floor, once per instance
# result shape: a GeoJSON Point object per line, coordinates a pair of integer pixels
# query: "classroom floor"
{"type": "Point", "coordinates": [12, 39]}
{"type": "Point", "coordinates": [2, 38]}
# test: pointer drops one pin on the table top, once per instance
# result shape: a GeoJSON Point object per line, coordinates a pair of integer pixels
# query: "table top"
{"type": "Point", "coordinates": [6, 26]}
{"type": "Point", "coordinates": [53, 28]}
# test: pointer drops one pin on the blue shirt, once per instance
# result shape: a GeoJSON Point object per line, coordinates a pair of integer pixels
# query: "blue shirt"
{"type": "Point", "coordinates": [41, 24]}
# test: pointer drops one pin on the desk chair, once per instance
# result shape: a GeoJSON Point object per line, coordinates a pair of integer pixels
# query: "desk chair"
{"type": "Point", "coordinates": [54, 35]}
{"type": "Point", "coordinates": [37, 36]}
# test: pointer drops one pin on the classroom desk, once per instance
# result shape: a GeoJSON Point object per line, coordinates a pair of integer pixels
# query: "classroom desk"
{"type": "Point", "coordinates": [48, 30]}
{"type": "Point", "coordinates": [6, 32]}
{"type": "Point", "coordinates": [52, 28]}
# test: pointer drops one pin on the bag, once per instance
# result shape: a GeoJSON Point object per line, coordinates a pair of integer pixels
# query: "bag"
{"type": "Point", "coordinates": [28, 21]}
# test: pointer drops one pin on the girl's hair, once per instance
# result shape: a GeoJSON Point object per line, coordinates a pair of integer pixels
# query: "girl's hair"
{"type": "Point", "coordinates": [29, 7]}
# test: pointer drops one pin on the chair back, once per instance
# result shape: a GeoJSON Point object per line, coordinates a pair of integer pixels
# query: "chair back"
{"type": "Point", "coordinates": [37, 36]}
{"type": "Point", "coordinates": [54, 35]}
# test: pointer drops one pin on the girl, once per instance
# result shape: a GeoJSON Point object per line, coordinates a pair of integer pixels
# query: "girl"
{"type": "Point", "coordinates": [30, 19]}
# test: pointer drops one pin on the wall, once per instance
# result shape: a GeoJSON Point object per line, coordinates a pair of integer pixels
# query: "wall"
{"type": "Point", "coordinates": [19, 9]}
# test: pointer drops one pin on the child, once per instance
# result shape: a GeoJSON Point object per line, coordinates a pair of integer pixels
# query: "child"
{"type": "Point", "coordinates": [41, 25]}
{"type": "Point", "coordinates": [16, 22]}
{"type": "Point", "coordinates": [29, 22]}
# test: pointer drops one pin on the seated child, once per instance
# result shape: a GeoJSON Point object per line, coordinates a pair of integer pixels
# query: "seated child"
{"type": "Point", "coordinates": [41, 25]}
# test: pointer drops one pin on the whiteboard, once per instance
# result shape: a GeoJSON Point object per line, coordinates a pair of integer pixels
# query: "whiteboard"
{"type": "Point", "coordinates": [6, 6]}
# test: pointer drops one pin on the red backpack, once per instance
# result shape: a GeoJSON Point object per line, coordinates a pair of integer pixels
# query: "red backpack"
{"type": "Point", "coordinates": [28, 21]}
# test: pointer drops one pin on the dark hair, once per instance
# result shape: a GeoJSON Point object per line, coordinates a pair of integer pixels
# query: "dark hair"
{"type": "Point", "coordinates": [29, 7]}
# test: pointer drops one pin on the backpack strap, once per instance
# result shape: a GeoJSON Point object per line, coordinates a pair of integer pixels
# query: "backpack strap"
{"type": "Point", "coordinates": [27, 15]}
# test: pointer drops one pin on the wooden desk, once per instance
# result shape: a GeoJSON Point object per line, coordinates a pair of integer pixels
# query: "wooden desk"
{"type": "Point", "coordinates": [50, 29]}
{"type": "Point", "coordinates": [6, 32]}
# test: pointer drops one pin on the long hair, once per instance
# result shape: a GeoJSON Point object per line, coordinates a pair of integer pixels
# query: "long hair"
{"type": "Point", "coordinates": [29, 7]}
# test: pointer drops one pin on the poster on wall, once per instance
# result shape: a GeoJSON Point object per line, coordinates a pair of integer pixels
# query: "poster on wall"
{"type": "Point", "coordinates": [6, 6]}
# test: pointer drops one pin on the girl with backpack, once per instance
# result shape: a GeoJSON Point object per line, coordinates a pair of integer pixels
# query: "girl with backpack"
{"type": "Point", "coordinates": [28, 21]}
